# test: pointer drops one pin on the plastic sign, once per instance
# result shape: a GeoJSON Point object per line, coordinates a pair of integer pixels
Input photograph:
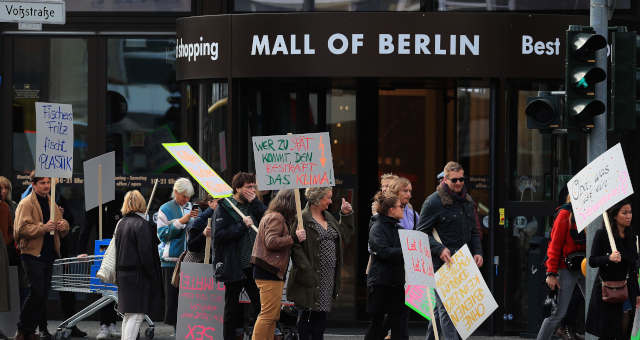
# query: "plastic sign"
{"type": "Point", "coordinates": [199, 169]}
{"type": "Point", "coordinates": [33, 12]}
{"type": "Point", "coordinates": [54, 140]}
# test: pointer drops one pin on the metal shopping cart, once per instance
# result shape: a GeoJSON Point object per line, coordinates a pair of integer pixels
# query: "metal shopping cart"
{"type": "Point", "coordinates": [78, 274]}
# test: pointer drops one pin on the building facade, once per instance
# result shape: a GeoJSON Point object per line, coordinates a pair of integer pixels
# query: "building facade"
{"type": "Point", "coordinates": [402, 86]}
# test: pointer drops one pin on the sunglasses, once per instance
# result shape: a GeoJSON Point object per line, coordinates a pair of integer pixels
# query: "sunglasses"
{"type": "Point", "coordinates": [455, 180]}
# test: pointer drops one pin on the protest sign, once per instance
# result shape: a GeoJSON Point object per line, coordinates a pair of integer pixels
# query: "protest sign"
{"type": "Point", "coordinates": [200, 303]}
{"type": "Point", "coordinates": [415, 297]}
{"type": "Point", "coordinates": [464, 293]}
{"type": "Point", "coordinates": [54, 140]}
{"type": "Point", "coordinates": [199, 169]}
{"type": "Point", "coordinates": [107, 164]}
{"type": "Point", "coordinates": [416, 251]}
{"type": "Point", "coordinates": [293, 161]}
{"type": "Point", "coordinates": [598, 186]}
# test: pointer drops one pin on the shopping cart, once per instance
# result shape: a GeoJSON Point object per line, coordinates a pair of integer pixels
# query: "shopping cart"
{"type": "Point", "coordinates": [78, 274]}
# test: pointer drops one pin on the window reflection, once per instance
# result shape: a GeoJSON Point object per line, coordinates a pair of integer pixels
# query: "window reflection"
{"type": "Point", "coordinates": [519, 5]}
{"type": "Point", "coordinates": [326, 5]}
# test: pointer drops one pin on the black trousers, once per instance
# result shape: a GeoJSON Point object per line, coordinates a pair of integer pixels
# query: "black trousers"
{"type": "Point", "coordinates": [311, 325]}
{"type": "Point", "coordinates": [34, 309]}
{"type": "Point", "coordinates": [387, 301]}
{"type": "Point", "coordinates": [170, 297]}
{"type": "Point", "coordinates": [233, 311]}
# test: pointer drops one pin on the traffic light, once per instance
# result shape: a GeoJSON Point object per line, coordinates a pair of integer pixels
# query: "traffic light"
{"type": "Point", "coordinates": [544, 112]}
{"type": "Point", "coordinates": [581, 75]}
{"type": "Point", "coordinates": [622, 101]}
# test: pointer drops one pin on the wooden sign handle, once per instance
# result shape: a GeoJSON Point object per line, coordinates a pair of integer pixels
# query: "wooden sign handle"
{"type": "Point", "coordinates": [153, 192]}
{"type": "Point", "coordinates": [239, 212]}
{"type": "Point", "coordinates": [52, 202]}
{"type": "Point", "coordinates": [100, 201]}
{"type": "Point", "coordinates": [607, 226]}
{"type": "Point", "coordinates": [433, 317]}
{"type": "Point", "coordinates": [207, 246]}
{"type": "Point", "coordinates": [296, 192]}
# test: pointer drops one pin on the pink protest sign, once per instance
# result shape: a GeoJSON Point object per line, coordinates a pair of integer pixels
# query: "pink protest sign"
{"type": "Point", "coordinates": [416, 251]}
{"type": "Point", "coordinates": [415, 297]}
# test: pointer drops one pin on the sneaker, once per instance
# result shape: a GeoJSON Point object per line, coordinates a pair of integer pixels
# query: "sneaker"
{"type": "Point", "coordinates": [77, 333]}
{"type": "Point", "coordinates": [103, 334]}
{"type": "Point", "coordinates": [114, 331]}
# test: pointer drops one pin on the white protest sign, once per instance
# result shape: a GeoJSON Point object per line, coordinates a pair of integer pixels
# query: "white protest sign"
{"type": "Point", "coordinates": [464, 293]}
{"type": "Point", "coordinates": [293, 161]}
{"type": "Point", "coordinates": [416, 251]}
{"type": "Point", "coordinates": [107, 163]}
{"type": "Point", "coordinates": [598, 186]}
{"type": "Point", "coordinates": [54, 140]}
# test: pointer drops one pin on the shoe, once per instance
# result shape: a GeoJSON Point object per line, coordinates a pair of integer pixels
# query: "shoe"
{"type": "Point", "coordinates": [77, 333]}
{"type": "Point", "coordinates": [113, 331]}
{"type": "Point", "coordinates": [103, 334]}
{"type": "Point", "coordinates": [45, 335]}
{"type": "Point", "coordinates": [20, 336]}
{"type": "Point", "coordinates": [563, 333]}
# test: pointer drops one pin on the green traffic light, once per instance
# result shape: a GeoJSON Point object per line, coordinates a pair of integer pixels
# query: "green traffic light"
{"type": "Point", "coordinates": [582, 83]}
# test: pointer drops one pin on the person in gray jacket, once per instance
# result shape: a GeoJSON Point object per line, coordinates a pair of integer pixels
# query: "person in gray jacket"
{"type": "Point", "coordinates": [451, 212]}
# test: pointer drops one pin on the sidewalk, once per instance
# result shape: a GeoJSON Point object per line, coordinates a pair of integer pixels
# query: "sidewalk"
{"type": "Point", "coordinates": [164, 332]}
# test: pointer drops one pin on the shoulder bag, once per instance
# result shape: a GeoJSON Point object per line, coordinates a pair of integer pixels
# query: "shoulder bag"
{"type": "Point", "coordinates": [107, 271]}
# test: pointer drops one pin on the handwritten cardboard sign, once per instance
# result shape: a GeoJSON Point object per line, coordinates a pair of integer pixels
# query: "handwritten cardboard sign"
{"type": "Point", "coordinates": [200, 303]}
{"type": "Point", "coordinates": [415, 297]}
{"type": "Point", "coordinates": [416, 251]}
{"type": "Point", "coordinates": [199, 169]}
{"type": "Point", "coordinates": [598, 186]}
{"type": "Point", "coordinates": [54, 140]}
{"type": "Point", "coordinates": [464, 293]}
{"type": "Point", "coordinates": [107, 162]}
{"type": "Point", "coordinates": [293, 161]}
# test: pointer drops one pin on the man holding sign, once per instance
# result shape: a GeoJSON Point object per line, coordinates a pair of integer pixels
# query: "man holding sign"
{"type": "Point", "coordinates": [38, 238]}
{"type": "Point", "coordinates": [233, 243]}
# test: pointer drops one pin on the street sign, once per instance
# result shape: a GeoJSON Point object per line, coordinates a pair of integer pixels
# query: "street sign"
{"type": "Point", "coordinates": [33, 12]}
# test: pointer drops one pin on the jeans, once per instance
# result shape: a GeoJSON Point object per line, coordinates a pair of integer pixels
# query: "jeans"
{"type": "Point", "coordinates": [270, 302]}
{"type": "Point", "coordinates": [436, 319]}
{"type": "Point", "coordinates": [34, 309]}
{"type": "Point", "coordinates": [131, 325]}
{"type": "Point", "coordinates": [447, 328]}
{"type": "Point", "coordinates": [233, 311]}
{"type": "Point", "coordinates": [567, 280]}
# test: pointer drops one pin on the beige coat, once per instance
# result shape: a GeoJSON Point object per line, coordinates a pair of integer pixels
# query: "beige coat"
{"type": "Point", "coordinates": [28, 229]}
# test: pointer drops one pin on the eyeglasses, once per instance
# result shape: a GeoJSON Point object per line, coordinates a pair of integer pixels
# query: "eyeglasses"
{"type": "Point", "coordinates": [455, 180]}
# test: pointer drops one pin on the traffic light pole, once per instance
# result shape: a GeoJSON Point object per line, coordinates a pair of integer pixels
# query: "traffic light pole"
{"type": "Point", "coordinates": [597, 139]}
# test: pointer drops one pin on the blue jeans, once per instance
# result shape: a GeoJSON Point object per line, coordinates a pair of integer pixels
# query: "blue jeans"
{"type": "Point", "coordinates": [447, 328]}
{"type": "Point", "coordinates": [567, 281]}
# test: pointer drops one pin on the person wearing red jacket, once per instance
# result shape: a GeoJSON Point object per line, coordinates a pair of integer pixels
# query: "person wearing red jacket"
{"type": "Point", "coordinates": [564, 256]}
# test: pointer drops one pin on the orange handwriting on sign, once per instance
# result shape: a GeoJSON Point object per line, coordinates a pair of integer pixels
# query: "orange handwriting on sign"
{"type": "Point", "coordinates": [199, 332]}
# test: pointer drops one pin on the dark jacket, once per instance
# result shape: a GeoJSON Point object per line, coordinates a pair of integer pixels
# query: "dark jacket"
{"type": "Point", "coordinates": [230, 233]}
{"type": "Point", "coordinates": [302, 287]}
{"type": "Point", "coordinates": [454, 220]}
{"type": "Point", "coordinates": [387, 263]}
{"type": "Point", "coordinates": [603, 319]}
{"type": "Point", "coordinates": [273, 245]}
{"type": "Point", "coordinates": [137, 266]}
{"type": "Point", "coordinates": [195, 239]}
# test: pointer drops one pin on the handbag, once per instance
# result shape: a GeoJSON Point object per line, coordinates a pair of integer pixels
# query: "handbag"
{"type": "Point", "coordinates": [574, 261]}
{"type": "Point", "coordinates": [107, 271]}
{"type": "Point", "coordinates": [614, 291]}
{"type": "Point", "coordinates": [175, 278]}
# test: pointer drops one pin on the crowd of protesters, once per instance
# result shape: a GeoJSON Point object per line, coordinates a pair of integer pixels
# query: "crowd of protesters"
{"type": "Point", "coordinates": [265, 248]}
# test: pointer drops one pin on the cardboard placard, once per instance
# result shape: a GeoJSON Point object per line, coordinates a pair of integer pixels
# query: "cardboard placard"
{"type": "Point", "coordinates": [199, 169]}
{"type": "Point", "coordinates": [107, 162]}
{"type": "Point", "coordinates": [200, 303]}
{"type": "Point", "coordinates": [464, 293]}
{"type": "Point", "coordinates": [418, 267]}
{"type": "Point", "coordinates": [54, 140]}
{"type": "Point", "coordinates": [598, 186]}
{"type": "Point", "coordinates": [415, 297]}
{"type": "Point", "coordinates": [293, 161]}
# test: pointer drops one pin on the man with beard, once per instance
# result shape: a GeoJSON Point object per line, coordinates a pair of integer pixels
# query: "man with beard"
{"type": "Point", "coordinates": [233, 243]}
{"type": "Point", "coordinates": [451, 213]}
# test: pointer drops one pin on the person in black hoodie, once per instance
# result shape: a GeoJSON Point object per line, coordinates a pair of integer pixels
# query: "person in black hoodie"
{"type": "Point", "coordinates": [197, 233]}
{"type": "Point", "coordinates": [385, 281]}
{"type": "Point", "coordinates": [604, 319]}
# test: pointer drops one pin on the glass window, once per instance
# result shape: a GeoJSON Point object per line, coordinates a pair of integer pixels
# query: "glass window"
{"type": "Point", "coordinates": [128, 5]}
{"type": "Point", "coordinates": [326, 5]}
{"type": "Point", "coordinates": [213, 135]}
{"type": "Point", "coordinates": [519, 5]}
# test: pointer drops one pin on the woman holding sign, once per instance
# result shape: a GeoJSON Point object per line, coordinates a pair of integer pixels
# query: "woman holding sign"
{"type": "Point", "coordinates": [385, 281]}
{"type": "Point", "coordinates": [314, 280]}
{"type": "Point", "coordinates": [270, 258]}
{"type": "Point", "coordinates": [615, 269]}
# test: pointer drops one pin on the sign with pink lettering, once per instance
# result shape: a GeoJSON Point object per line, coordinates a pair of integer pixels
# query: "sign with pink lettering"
{"type": "Point", "coordinates": [200, 303]}
{"type": "Point", "coordinates": [415, 297]}
{"type": "Point", "coordinates": [599, 185]}
{"type": "Point", "coordinates": [418, 268]}
{"type": "Point", "coordinates": [293, 161]}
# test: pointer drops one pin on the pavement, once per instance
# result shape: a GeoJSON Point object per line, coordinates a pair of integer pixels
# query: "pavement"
{"type": "Point", "coordinates": [165, 332]}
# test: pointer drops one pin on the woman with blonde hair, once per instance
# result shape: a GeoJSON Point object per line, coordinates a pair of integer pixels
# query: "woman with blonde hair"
{"type": "Point", "coordinates": [401, 187]}
{"type": "Point", "coordinates": [138, 272]}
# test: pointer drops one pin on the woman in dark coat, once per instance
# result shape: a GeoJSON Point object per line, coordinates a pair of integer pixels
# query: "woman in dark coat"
{"type": "Point", "coordinates": [605, 320]}
{"type": "Point", "coordinates": [138, 272]}
{"type": "Point", "coordinates": [385, 281]}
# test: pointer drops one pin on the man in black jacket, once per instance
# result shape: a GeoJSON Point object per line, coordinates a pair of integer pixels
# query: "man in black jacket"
{"type": "Point", "coordinates": [451, 212]}
{"type": "Point", "coordinates": [233, 243]}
